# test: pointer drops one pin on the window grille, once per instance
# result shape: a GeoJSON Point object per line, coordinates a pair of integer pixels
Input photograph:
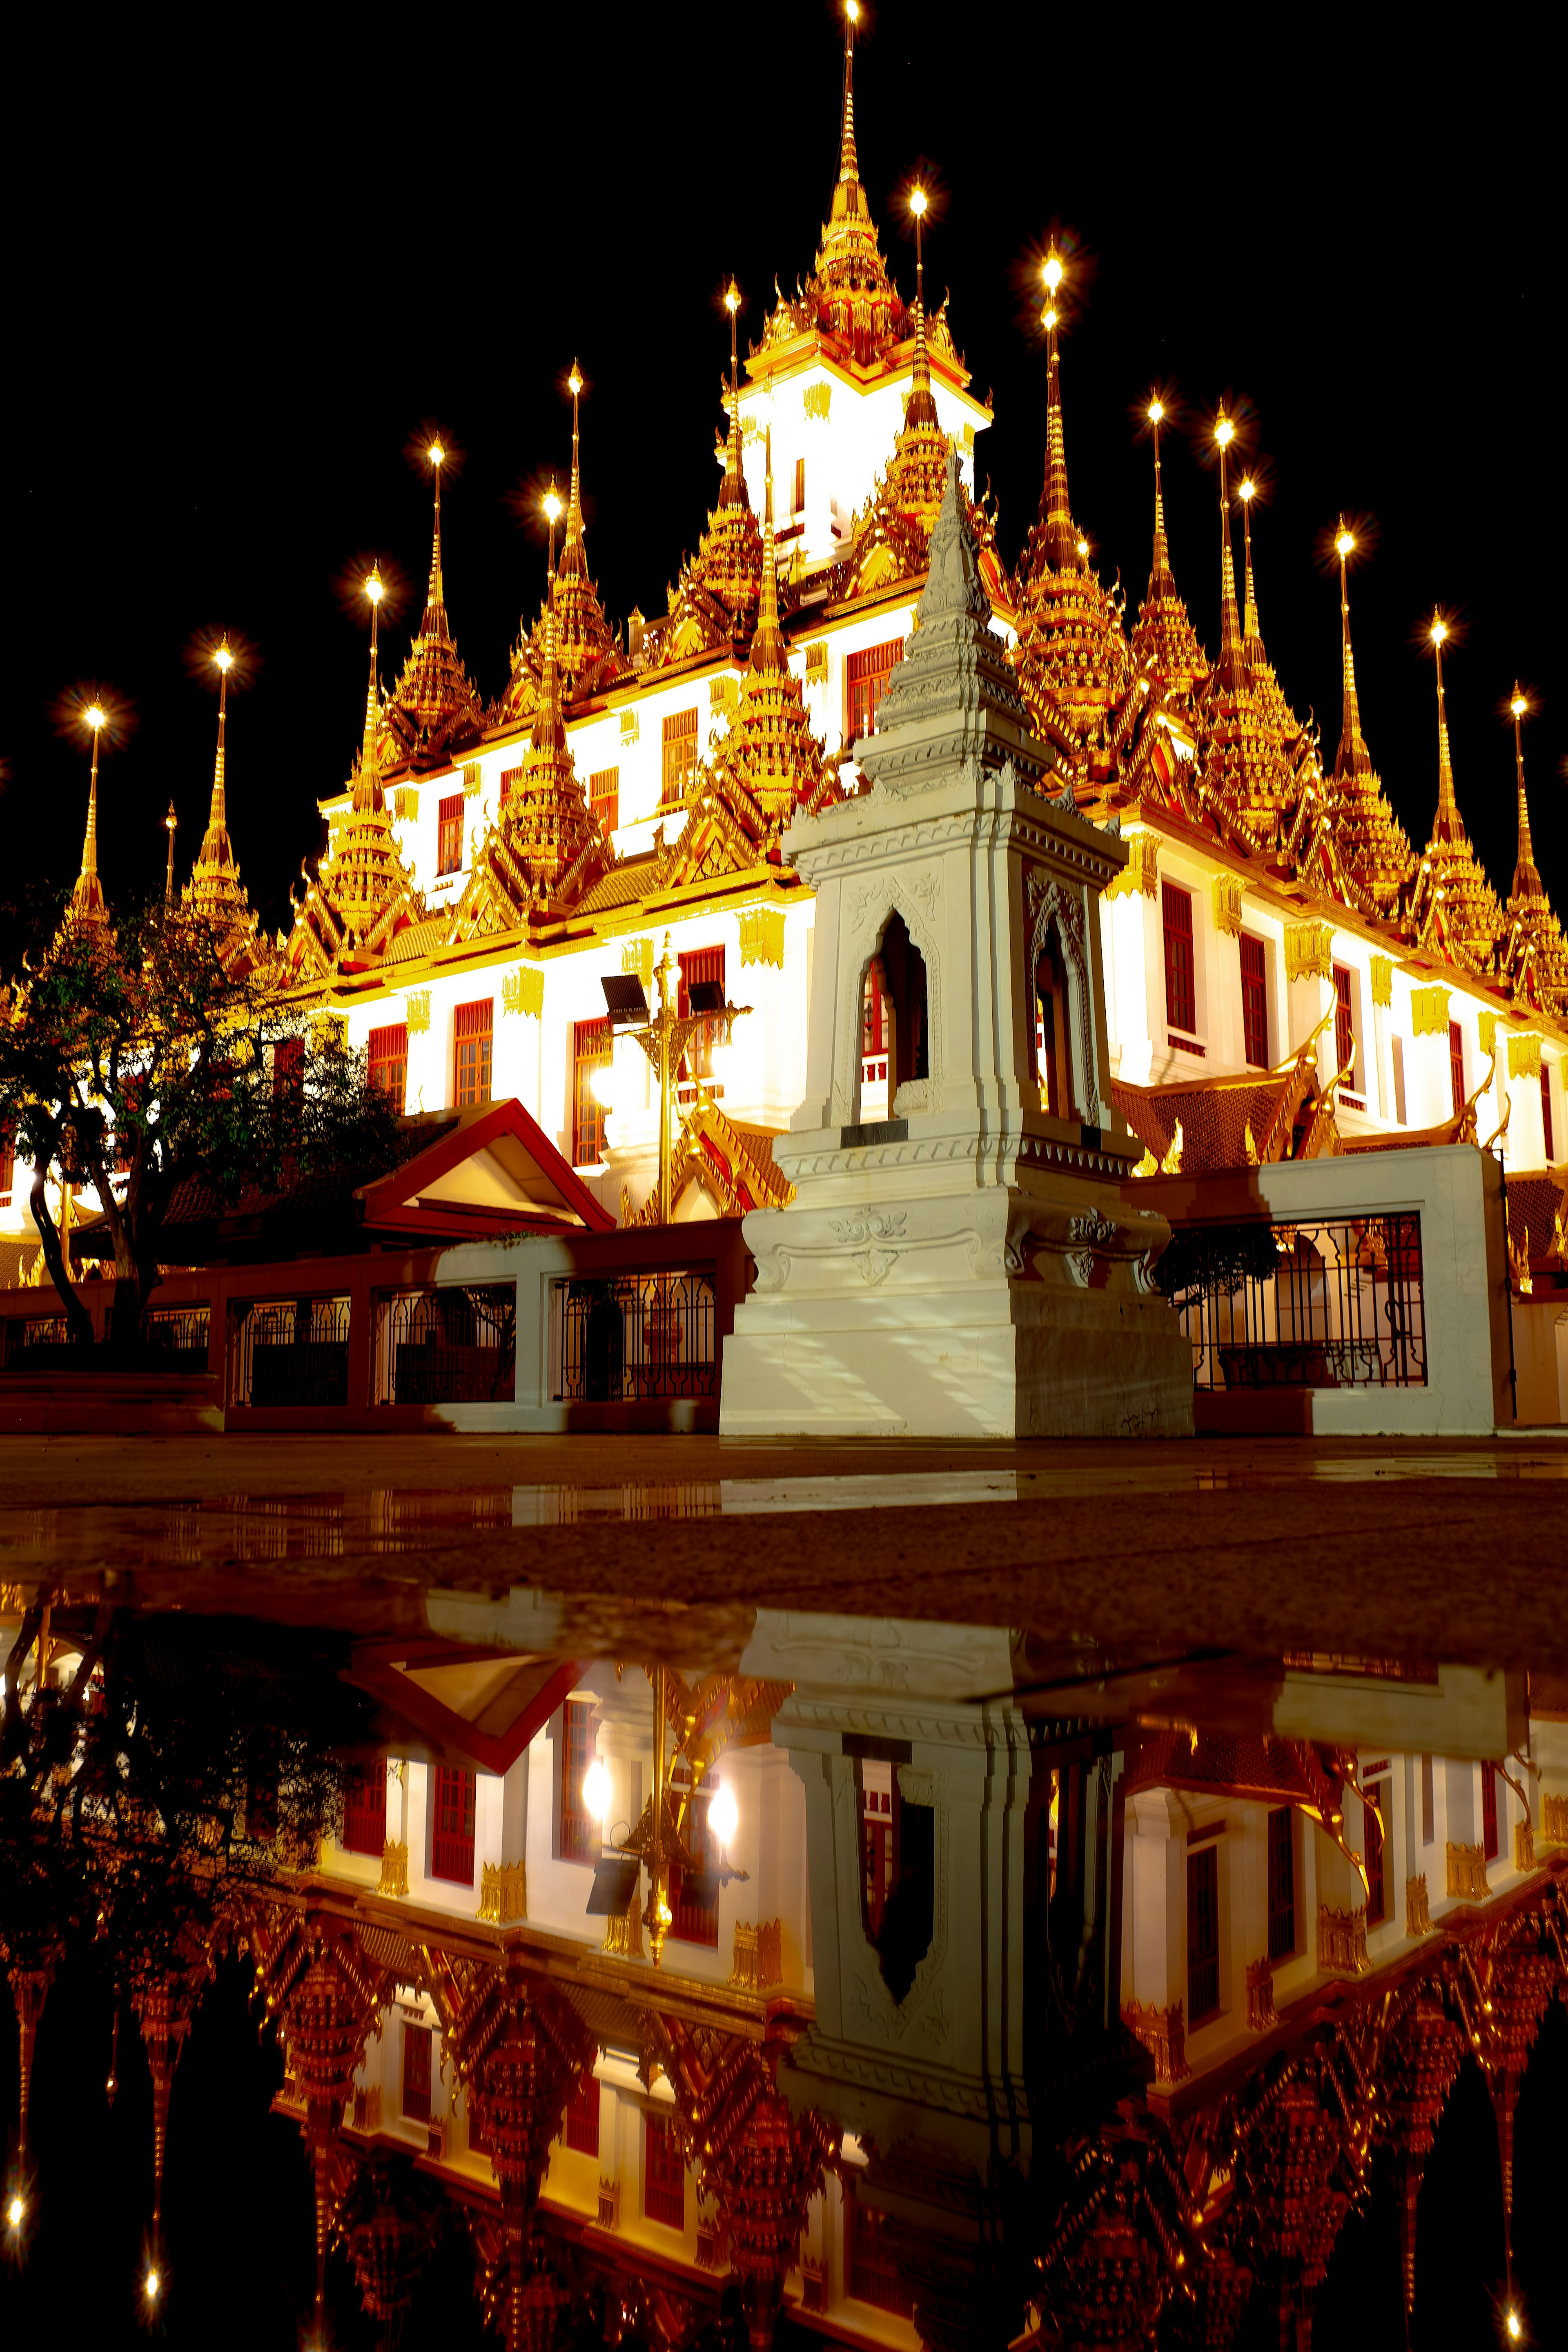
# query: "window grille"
{"type": "Point", "coordinates": [450, 834]}
{"type": "Point", "coordinates": [289, 1353]}
{"type": "Point", "coordinates": [593, 1048]}
{"type": "Point", "coordinates": [471, 1029]}
{"type": "Point", "coordinates": [872, 2264]}
{"type": "Point", "coordinates": [364, 1809]}
{"type": "Point", "coordinates": [1282, 1885]}
{"type": "Point", "coordinates": [866, 677]}
{"type": "Point", "coordinates": [664, 2175]}
{"type": "Point", "coordinates": [874, 1095]}
{"type": "Point", "coordinates": [452, 1832]}
{"type": "Point", "coordinates": [1254, 1002]}
{"type": "Point", "coordinates": [680, 754]}
{"type": "Point", "coordinates": [580, 1839]}
{"type": "Point", "coordinates": [1456, 1066]}
{"type": "Point", "coordinates": [583, 2116]}
{"type": "Point", "coordinates": [635, 1335]}
{"type": "Point", "coordinates": [1180, 990]}
{"type": "Point", "coordinates": [604, 797]}
{"type": "Point", "coordinates": [387, 1062]}
{"type": "Point", "coordinates": [415, 2072]}
{"type": "Point", "coordinates": [1203, 1934]}
{"type": "Point", "coordinates": [1329, 1305]}
{"type": "Point", "coordinates": [177, 1338]}
{"type": "Point", "coordinates": [457, 1345]}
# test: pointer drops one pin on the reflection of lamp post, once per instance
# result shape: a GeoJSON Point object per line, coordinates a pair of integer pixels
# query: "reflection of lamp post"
{"type": "Point", "coordinates": [664, 1037]}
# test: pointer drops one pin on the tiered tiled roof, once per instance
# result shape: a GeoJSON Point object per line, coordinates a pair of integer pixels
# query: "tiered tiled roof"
{"type": "Point", "coordinates": [768, 765]}
{"type": "Point", "coordinates": [1372, 843]}
{"type": "Point", "coordinates": [736, 1168]}
{"type": "Point", "coordinates": [363, 892]}
{"type": "Point", "coordinates": [587, 659]}
{"type": "Point", "coordinates": [434, 708]}
{"type": "Point", "coordinates": [1534, 953]}
{"type": "Point", "coordinates": [1201, 1126]}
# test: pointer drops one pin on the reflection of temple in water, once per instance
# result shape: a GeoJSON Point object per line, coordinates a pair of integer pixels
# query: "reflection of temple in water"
{"type": "Point", "coordinates": [886, 1982]}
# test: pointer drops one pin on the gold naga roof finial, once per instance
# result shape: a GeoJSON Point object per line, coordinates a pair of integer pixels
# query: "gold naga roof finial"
{"type": "Point", "coordinates": [435, 622]}
{"type": "Point", "coordinates": [1354, 753]}
{"type": "Point", "coordinates": [1247, 491]}
{"type": "Point", "coordinates": [921, 408]}
{"type": "Point", "coordinates": [88, 903]}
{"type": "Point", "coordinates": [1527, 880]}
{"type": "Point", "coordinates": [733, 492]}
{"type": "Point", "coordinates": [1061, 540]}
{"type": "Point", "coordinates": [1229, 619]}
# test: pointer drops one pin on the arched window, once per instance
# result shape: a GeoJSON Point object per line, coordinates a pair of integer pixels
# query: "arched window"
{"type": "Point", "coordinates": [1053, 1032]}
{"type": "Point", "coordinates": [904, 997]}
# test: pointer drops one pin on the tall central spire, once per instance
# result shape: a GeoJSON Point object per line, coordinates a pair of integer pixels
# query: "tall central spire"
{"type": "Point", "coordinates": [1249, 628]}
{"type": "Point", "coordinates": [88, 904]}
{"type": "Point", "coordinates": [1449, 824]}
{"type": "Point", "coordinates": [1061, 539]}
{"type": "Point", "coordinates": [574, 555]}
{"type": "Point", "coordinates": [1527, 880]}
{"type": "Point", "coordinates": [733, 492]}
{"type": "Point", "coordinates": [1161, 571]}
{"type": "Point", "coordinates": [435, 622]}
{"type": "Point", "coordinates": [919, 408]}
{"type": "Point", "coordinates": [367, 784]}
{"type": "Point", "coordinates": [1354, 756]}
{"type": "Point", "coordinates": [1229, 619]}
{"type": "Point", "coordinates": [849, 196]}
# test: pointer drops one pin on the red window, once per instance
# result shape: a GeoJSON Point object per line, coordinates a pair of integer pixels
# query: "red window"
{"type": "Point", "coordinates": [415, 2072]}
{"type": "Point", "coordinates": [509, 777]}
{"type": "Point", "coordinates": [679, 755]}
{"type": "Point", "coordinates": [1203, 1934]}
{"type": "Point", "coordinates": [867, 682]}
{"type": "Point", "coordinates": [364, 1809]}
{"type": "Point", "coordinates": [593, 1048]}
{"type": "Point", "coordinates": [1488, 1811]}
{"type": "Point", "coordinates": [1282, 1885]}
{"type": "Point", "coordinates": [452, 1834]}
{"type": "Point", "coordinates": [580, 1839]}
{"type": "Point", "coordinates": [604, 797]}
{"type": "Point", "coordinates": [1376, 1855]}
{"type": "Point", "coordinates": [387, 1062]}
{"type": "Point", "coordinates": [872, 2264]}
{"type": "Point", "coordinates": [472, 1030]}
{"type": "Point", "coordinates": [1456, 1066]}
{"type": "Point", "coordinates": [663, 2177]}
{"type": "Point", "coordinates": [1545, 1124]}
{"type": "Point", "coordinates": [1254, 1002]}
{"type": "Point", "coordinates": [1180, 988]}
{"type": "Point", "coordinates": [450, 834]}
{"type": "Point", "coordinates": [694, 1904]}
{"type": "Point", "coordinates": [583, 2114]}
{"type": "Point", "coordinates": [1345, 1021]}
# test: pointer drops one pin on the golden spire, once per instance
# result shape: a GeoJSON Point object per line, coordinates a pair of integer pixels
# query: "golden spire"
{"type": "Point", "coordinates": [768, 651]}
{"type": "Point", "coordinates": [919, 408]}
{"type": "Point", "coordinates": [1527, 883]}
{"type": "Point", "coordinates": [434, 624]}
{"type": "Point", "coordinates": [434, 703]}
{"type": "Point", "coordinates": [88, 904]}
{"type": "Point", "coordinates": [214, 888]}
{"type": "Point", "coordinates": [847, 193]}
{"type": "Point", "coordinates": [574, 555]}
{"type": "Point", "coordinates": [1249, 628]}
{"type": "Point", "coordinates": [733, 492]}
{"type": "Point", "coordinates": [1061, 537]}
{"type": "Point", "coordinates": [1229, 620]}
{"type": "Point", "coordinates": [1353, 755]}
{"type": "Point", "coordinates": [217, 816]}
{"type": "Point", "coordinates": [1452, 890]}
{"type": "Point", "coordinates": [1161, 565]}
{"type": "Point", "coordinates": [1373, 844]}
{"type": "Point", "coordinates": [1165, 639]}
{"type": "Point", "coordinates": [549, 727]}
{"type": "Point", "coordinates": [1449, 824]}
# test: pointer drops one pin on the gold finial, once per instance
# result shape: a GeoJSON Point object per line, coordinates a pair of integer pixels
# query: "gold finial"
{"type": "Point", "coordinates": [435, 622]}
{"type": "Point", "coordinates": [921, 408]}
{"type": "Point", "coordinates": [1229, 620]}
{"type": "Point", "coordinates": [734, 491]}
{"type": "Point", "coordinates": [1527, 882]}
{"type": "Point", "coordinates": [170, 821]}
{"type": "Point", "coordinates": [1354, 756]}
{"type": "Point", "coordinates": [1061, 540]}
{"type": "Point", "coordinates": [1247, 491]}
{"type": "Point", "coordinates": [574, 499]}
{"type": "Point", "coordinates": [1156, 414]}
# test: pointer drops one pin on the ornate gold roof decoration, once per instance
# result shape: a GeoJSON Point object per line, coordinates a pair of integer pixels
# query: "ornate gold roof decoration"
{"type": "Point", "coordinates": [767, 766]}
{"type": "Point", "coordinates": [1453, 907]}
{"type": "Point", "coordinates": [587, 659]}
{"type": "Point", "coordinates": [1373, 844]}
{"type": "Point", "coordinates": [848, 294]}
{"type": "Point", "coordinates": [715, 602]}
{"type": "Point", "coordinates": [434, 705]}
{"type": "Point", "coordinates": [734, 1168]}
{"type": "Point", "coordinates": [363, 892]}
{"type": "Point", "coordinates": [214, 889]}
{"type": "Point", "coordinates": [1533, 956]}
{"type": "Point", "coordinates": [1164, 643]}
{"type": "Point", "coordinates": [545, 845]}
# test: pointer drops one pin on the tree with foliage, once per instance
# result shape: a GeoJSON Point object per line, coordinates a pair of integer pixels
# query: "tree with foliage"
{"type": "Point", "coordinates": [136, 1055]}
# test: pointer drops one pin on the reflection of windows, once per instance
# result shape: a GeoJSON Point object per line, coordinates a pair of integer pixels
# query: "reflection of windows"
{"type": "Point", "coordinates": [1254, 1002]}
{"type": "Point", "coordinates": [663, 2177]}
{"type": "Point", "coordinates": [1456, 1066]}
{"type": "Point", "coordinates": [450, 834]}
{"type": "Point", "coordinates": [593, 1048]}
{"type": "Point", "coordinates": [452, 1837]}
{"type": "Point", "coordinates": [1203, 1934]}
{"type": "Point", "coordinates": [871, 2264]}
{"type": "Point", "coordinates": [388, 1063]}
{"type": "Point", "coordinates": [867, 676]}
{"type": "Point", "coordinates": [1488, 1811]}
{"type": "Point", "coordinates": [876, 1841]}
{"type": "Point", "coordinates": [1282, 1885]}
{"type": "Point", "coordinates": [364, 1809]}
{"type": "Point", "coordinates": [415, 2072]}
{"type": "Point", "coordinates": [604, 797]}
{"type": "Point", "coordinates": [680, 754]}
{"type": "Point", "coordinates": [1376, 1854]}
{"type": "Point", "coordinates": [579, 1831]}
{"type": "Point", "coordinates": [583, 2114]}
{"type": "Point", "coordinates": [694, 1903]}
{"type": "Point", "coordinates": [472, 1032]}
{"type": "Point", "coordinates": [1181, 991]}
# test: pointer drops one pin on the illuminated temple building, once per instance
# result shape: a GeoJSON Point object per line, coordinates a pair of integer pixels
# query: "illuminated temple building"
{"type": "Point", "coordinates": [1287, 975]}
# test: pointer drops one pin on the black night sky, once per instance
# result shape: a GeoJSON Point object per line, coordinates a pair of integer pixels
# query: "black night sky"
{"type": "Point", "coordinates": [240, 277]}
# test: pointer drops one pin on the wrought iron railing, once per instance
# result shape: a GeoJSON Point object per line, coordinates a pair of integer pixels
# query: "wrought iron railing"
{"type": "Point", "coordinates": [288, 1353]}
{"type": "Point", "coordinates": [1323, 1305]}
{"type": "Point", "coordinates": [177, 1339]}
{"type": "Point", "coordinates": [623, 1337]}
{"type": "Point", "coordinates": [30, 1342]}
{"type": "Point", "coordinates": [452, 1346]}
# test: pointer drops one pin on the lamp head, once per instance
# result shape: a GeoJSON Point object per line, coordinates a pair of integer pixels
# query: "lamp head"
{"type": "Point", "coordinates": [15, 2210]}
{"type": "Point", "coordinates": [723, 1815]}
{"type": "Point", "coordinates": [171, 821]}
{"type": "Point", "coordinates": [918, 201]}
{"type": "Point", "coordinates": [574, 380]}
{"type": "Point", "coordinates": [852, 10]}
{"type": "Point", "coordinates": [1051, 270]}
{"type": "Point", "coordinates": [732, 298]}
{"type": "Point", "coordinates": [151, 2285]}
{"type": "Point", "coordinates": [1224, 431]}
{"type": "Point", "coordinates": [1156, 412]}
{"type": "Point", "coordinates": [224, 658]}
{"type": "Point", "coordinates": [1344, 545]}
{"type": "Point", "coordinates": [95, 716]}
{"type": "Point", "coordinates": [374, 586]}
{"type": "Point", "coordinates": [1083, 550]}
{"type": "Point", "coordinates": [1519, 705]}
{"type": "Point", "coordinates": [437, 454]}
{"type": "Point", "coordinates": [1248, 487]}
{"type": "Point", "coordinates": [1439, 629]}
{"type": "Point", "coordinates": [1048, 317]}
{"type": "Point", "coordinates": [551, 504]}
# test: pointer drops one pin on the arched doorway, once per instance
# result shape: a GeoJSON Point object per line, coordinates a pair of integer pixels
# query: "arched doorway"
{"type": "Point", "coordinates": [1052, 1031]}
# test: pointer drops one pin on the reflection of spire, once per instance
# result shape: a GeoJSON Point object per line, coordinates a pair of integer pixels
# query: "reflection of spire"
{"type": "Point", "coordinates": [733, 492]}
{"type": "Point", "coordinates": [29, 1989]}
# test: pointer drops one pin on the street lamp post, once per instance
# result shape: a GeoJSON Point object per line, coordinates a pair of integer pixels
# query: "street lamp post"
{"type": "Point", "coordinates": [664, 1037]}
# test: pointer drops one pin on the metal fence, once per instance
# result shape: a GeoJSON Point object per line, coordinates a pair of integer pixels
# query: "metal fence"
{"type": "Point", "coordinates": [627, 1336]}
{"type": "Point", "coordinates": [30, 1342]}
{"type": "Point", "coordinates": [177, 1339]}
{"type": "Point", "coordinates": [289, 1351]}
{"type": "Point", "coordinates": [453, 1346]}
{"type": "Point", "coordinates": [1321, 1305]}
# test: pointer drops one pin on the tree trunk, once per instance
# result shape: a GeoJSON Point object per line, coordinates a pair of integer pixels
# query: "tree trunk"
{"type": "Point", "coordinates": [78, 1322]}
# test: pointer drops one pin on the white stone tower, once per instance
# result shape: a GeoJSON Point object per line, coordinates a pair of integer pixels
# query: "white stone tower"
{"type": "Point", "coordinates": [963, 1257]}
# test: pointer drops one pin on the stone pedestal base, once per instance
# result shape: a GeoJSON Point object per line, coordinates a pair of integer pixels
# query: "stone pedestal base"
{"type": "Point", "coordinates": [1002, 1313]}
